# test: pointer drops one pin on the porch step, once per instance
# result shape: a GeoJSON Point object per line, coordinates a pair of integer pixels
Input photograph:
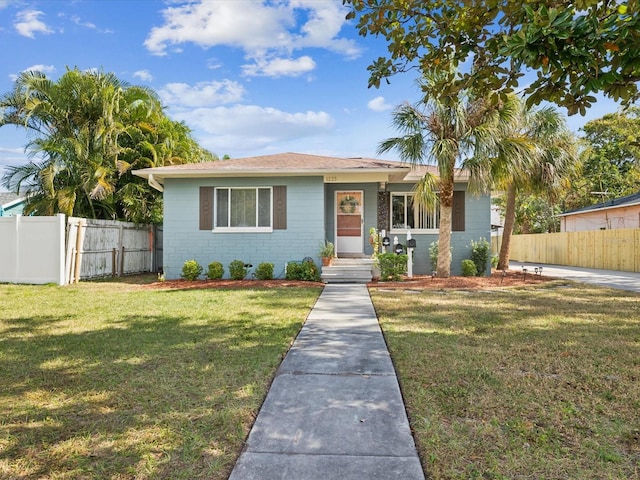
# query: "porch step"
{"type": "Point", "coordinates": [348, 270]}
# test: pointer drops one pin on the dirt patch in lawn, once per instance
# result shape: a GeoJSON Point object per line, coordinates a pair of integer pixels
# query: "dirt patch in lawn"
{"type": "Point", "coordinates": [512, 278]}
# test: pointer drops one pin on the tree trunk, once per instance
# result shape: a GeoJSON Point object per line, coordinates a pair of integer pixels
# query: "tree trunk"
{"type": "Point", "coordinates": [443, 268]}
{"type": "Point", "coordinates": [509, 221]}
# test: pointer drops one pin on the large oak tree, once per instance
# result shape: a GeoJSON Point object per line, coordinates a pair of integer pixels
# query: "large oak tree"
{"type": "Point", "coordinates": [576, 48]}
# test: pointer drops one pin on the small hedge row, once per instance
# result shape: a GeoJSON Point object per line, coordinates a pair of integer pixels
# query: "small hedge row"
{"type": "Point", "coordinates": [191, 270]}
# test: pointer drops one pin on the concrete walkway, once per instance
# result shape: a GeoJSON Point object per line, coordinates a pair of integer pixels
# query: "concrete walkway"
{"type": "Point", "coordinates": [605, 278]}
{"type": "Point", "coordinates": [334, 410]}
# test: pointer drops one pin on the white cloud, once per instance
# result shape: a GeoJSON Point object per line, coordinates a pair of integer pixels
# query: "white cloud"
{"type": "Point", "coordinates": [34, 68]}
{"type": "Point", "coordinates": [28, 23]}
{"type": "Point", "coordinates": [280, 67]}
{"type": "Point", "coordinates": [143, 75]}
{"type": "Point", "coordinates": [266, 31]}
{"type": "Point", "coordinates": [378, 104]}
{"type": "Point", "coordinates": [324, 24]}
{"type": "Point", "coordinates": [201, 94]}
{"type": "Point", "coordinates": [11, 150]}
{"type": "Point", "coordinates": [247, 127]}
{"type": "Point", "coordinates": [78, 21]}
{"type": "Point", "coordinates": [40, 68]}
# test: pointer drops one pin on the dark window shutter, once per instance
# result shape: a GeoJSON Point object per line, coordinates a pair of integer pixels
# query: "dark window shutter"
{"type": "Point", "coordinates": [457, 220]}
{"type": "Point", "coordinates": [206, 208]}
{"type": "Point", "coordinates": [280, 207]}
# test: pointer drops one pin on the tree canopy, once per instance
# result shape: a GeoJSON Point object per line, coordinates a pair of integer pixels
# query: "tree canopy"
{"type": "Point", "coordinates": [577, 48]}
{"type": "Point", "coordinates": [87, 131]}
{"type": "Point", "coordinates": [609, 160]}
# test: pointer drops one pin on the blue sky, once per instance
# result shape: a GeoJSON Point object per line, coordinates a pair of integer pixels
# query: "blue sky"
{"type": "Point", "coordinates": [248, 77]}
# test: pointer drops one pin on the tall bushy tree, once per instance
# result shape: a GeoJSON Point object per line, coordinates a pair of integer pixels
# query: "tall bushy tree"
{"type": "Point", "coordinates": [86, 131]}
{"type": "Point", "coordinates": [577, 48]}
{"type": "Point", "coordinates": [609, 160]}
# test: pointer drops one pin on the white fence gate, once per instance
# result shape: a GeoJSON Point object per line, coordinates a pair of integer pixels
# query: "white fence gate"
{"type": "Point", "coordinates": [52, 250]}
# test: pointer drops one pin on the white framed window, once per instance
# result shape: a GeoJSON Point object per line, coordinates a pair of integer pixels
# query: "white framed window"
{"type": "Point", "coordinates": [406, 216]}
{"type": "Point", "coordinates": [243, 209]}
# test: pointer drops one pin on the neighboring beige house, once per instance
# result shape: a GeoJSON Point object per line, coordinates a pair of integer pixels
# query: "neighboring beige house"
{"type": "Point", "coordinates": [623, 212]}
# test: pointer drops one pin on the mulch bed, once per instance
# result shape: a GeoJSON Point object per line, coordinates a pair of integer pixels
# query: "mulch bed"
{"type": "Point", "coordinates": [512, 278]}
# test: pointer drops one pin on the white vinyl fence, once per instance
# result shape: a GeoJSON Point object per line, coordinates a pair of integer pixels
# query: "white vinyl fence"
{"type": "Point", "coordinates": [52, 250]}
{"type": "Point", "coordinates": [32, 249]}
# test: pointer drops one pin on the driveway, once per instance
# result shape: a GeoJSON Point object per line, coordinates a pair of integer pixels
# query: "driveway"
{"type": "Point", "coordinates": [606, 278]}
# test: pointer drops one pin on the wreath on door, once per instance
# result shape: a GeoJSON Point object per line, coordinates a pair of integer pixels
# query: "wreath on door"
{"type": "Point", "coordinates": [349, 204]}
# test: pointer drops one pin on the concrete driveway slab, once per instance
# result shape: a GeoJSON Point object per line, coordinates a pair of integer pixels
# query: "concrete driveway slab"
{"type": "Point", "coordinates": [603, 278]}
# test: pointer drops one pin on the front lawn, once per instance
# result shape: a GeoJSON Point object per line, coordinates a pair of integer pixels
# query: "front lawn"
{"type": "Point", "coordinates": [540, 382]}
{"type": "Point", "coordinates": [113, 380]}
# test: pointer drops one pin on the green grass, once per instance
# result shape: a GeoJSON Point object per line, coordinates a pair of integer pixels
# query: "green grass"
{"type": "Point", "coordinates": [535, 383]}
{"type": "Point", "coordinates": [113, 380]}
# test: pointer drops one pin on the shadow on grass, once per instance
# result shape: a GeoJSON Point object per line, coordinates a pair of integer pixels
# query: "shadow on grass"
{"type": "Point", "coordinates": [162, 394]}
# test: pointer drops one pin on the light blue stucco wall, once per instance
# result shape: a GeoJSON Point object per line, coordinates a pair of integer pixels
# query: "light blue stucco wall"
{"type": "Point", "coordinates": [477, 225]}
{"type": "Point", "coordinates": [184, 241]}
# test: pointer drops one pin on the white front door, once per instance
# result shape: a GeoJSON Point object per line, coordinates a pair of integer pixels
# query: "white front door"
{"type": "Point", "coordinates": [349, 212]}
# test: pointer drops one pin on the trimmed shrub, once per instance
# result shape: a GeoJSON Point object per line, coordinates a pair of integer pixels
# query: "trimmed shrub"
{"type": "Point", "coordinates": [306, 270]}
{"type": "Point", "coordinates": [433, 255]}
{"type": "Point", "coordinates": [480, 253]}
{"type": "Point", "coordinates": [469, 268]}
{"type": "Point", "coordinates": [392, 266]}
{"type": "Point", "coordinates": [264, 271]}
{"type": "Point", "coordinates": [191, 270]}
{"type": "Point", "coordinates": [216, 271]}
{"type": "Point", "coordinates": [237, 270]}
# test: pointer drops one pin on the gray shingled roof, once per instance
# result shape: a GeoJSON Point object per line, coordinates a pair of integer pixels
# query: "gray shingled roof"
{"type": "Point", "coordinates": [288, 163]}
{"type": "Point", "coordinates": [633, 199]}
{"type": "Point", "coordinates": [7, 198]}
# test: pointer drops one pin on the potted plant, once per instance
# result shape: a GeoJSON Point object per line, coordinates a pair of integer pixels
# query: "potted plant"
{"type": "Point", "coordinates": [327, 252]}
{"type": "Point", "coordinates": [349, 204]}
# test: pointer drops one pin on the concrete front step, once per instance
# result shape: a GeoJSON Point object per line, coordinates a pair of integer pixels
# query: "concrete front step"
{"type": "Point", "coordinates": [348, 270]}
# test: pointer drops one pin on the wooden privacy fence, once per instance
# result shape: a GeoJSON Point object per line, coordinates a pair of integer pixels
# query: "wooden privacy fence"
{"type": "Point", "coordinates": [58, 250]}
{"type": "Point", "coordinates": [103, 248]}
{"type": "Point", "coordinates": [605, 249]}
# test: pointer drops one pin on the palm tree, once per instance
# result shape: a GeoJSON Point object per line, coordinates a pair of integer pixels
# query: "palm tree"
{"type": "Point", "coordinates": [442, 130]}
{"type": "Point", "coordinates": [88, 131]}
{"type": "Point", "coordinates": [534, 153]}
{"type": "Point", "coordinates": [74, 128]}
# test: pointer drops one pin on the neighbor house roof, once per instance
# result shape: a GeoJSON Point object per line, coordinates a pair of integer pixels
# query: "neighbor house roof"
{"type": "Point", "coordinates": [627, 201]}
{"type": "Point", "coordinates": [285, 164]}
{"type": "Point", "coordinates": [8, 199]}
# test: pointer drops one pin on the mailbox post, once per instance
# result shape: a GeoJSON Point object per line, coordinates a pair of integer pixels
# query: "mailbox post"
{"type": "Point", "coordinates": [386, 241]}
{"type": "Point", "coordinates": [411, 245]}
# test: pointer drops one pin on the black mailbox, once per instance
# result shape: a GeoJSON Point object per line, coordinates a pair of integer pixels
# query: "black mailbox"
{"type": "Point", "coordinates": [386, 241]}
{"type": "Point", "coordinates": [398, 249]}
{"type": "Point", "coordinates": [411, 243]}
